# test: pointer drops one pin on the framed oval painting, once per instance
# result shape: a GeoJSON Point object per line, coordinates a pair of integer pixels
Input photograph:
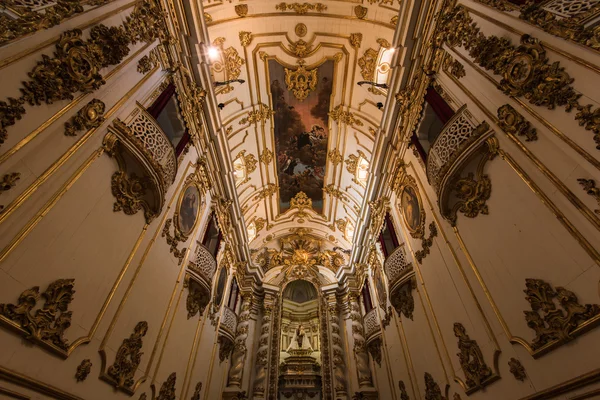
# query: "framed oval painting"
{"type": "Point", "coordinates": [412, 211]}
{"type": "Point", "coordinates": [220, 287]}
{"type": "Point", "coordinates": [188, 208]}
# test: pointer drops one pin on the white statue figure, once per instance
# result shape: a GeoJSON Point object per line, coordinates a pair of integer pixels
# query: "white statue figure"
{"type": "Point", "coordinates": [299, 341]}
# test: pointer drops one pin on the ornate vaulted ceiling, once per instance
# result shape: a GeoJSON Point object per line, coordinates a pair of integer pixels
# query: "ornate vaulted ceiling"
{"type": "Point", "coordinates": [300, 131]}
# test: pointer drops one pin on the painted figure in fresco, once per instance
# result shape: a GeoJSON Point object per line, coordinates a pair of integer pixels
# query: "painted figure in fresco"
{"type": "Point", "coordinates": [189, 209]}
{"type": "Point", "coordinates": [410, 207]}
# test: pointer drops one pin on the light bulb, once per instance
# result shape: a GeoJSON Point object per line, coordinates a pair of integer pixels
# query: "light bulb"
{"type": "Point", "coordinates": [213, 53]}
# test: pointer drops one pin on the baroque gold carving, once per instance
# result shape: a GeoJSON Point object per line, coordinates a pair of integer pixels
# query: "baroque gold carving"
{"type": "Point", "coordinates": [127, 360]}
{"type": "Point", "coordinates": [368, 63]}
{"type": "Point", "coordinates": [334, 192]}
{"type": "Point", "coordinates": [454, 67]}
{"type": "Point", "coordinates": [225, 348]}
{"type": "Point", "coordinates": [197, 390]}
{"type": "Point", "coordinates": [262, 114]}
{"type": "Point", "coordinates": [403, 393]}
{"type": "Point", "coordinates": [300, 29]}
{"type": "Point", "coordinates": [360, 12]}
{"type": "Point", "coordinates": [352, 162]}
{"type": "Point", "coordinates": [374, 348]}
{"type": "Point", "coordinates": [335, 156]}
{"type": "Point", "coordinates": [432, 389]}
{"type": "Point", "coordinates": [268, 191]}
{"type": "Point", "coordinates": [589, 185]}
{"type": "Point", "coordinates": [146, 63]}
{"type": "Point", "coordinates": [301, 202]}
{"type": "Point", "coordinates": [245, 38]}
{"type": "Point", "coordinates": [173, 240]}
{"type": "Point", "coordinates": [230, 62]}
{"type": "Point", "coordinates": [344, 117]}
{"type": "Point", "coordinates": [301, 81]}
{"type": "Point", "coordinates": [356, 39]}
{"type": "Point", "coordinates": [8, 182]}
{"type": "Point", "coordinates": [301, 8]}
{"type": "Point", "coordinates": [167, 389]}
{"type": "Point", "coordinates": [511, 121]}
{"type": "Point", "coordinates": [426, 243]}
{"type": "Point", "coordinates": [379, 209]}
{"type": "Point", "coordinates": [90, 116]}
{"type": "Point", "coordinates": [473, 194]}
{"type": "Point", "coordinates": [49, 323]}
{"type": "Point", "coordinates": [477, 373]}
{"type": "Point", "coordinates": [83, 370]}
{"type": "Point", "coordinates": [198, 297]}
{"type": "Point", "coordinates": [553, 325]}
{"type": "Point", "coordinates": [241, 10]}
{"type": "Point", "coordinates": [525, 69]}
{"type": "Point", "coordinates": [266, 156]}
{"type": "Point", "coordinates": [402, 299]}
{"type": "Point", "coordinates": [517, 369]}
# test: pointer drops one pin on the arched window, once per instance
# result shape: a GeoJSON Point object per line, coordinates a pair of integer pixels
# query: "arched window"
{"type": "Point", "coordinates": [387, 237]}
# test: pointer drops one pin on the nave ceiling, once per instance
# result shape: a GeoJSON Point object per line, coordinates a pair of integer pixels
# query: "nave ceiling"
{"type": "Point", "coordinates": [300, 131]}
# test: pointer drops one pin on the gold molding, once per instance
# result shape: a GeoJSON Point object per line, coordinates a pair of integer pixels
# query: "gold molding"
{"type": "Point", "coordinates": [30, 383]}
{"type": "Point", "coordinates": [567, 386]}
{"type": "Point", "coordinates": [301, 9]}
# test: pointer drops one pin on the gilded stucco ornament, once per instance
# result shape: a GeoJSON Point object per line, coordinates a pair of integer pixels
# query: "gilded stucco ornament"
{"type": "Point", "coordinates": [402, 298]}
{"type": "Point", "coordinates": [379, 209]}
{"type": "Point", "coordinates": [198, 297]}
{"type": "Point", "coordinates": [167, 389]}
{"type": "Point", "coordinates": [48, 324]}
{"type": "Point", "coordinates": [301, 8]}
{"type": "Point", "coordinates": [83, 370]}
{"type": "Point", "coordinates": [473, 194]}
{"type": "Point", "coordinates": [335, 156]}
{"type": "Point", "coordinates": [368, 64]}
{"type": "Point", "coordinates": [146, 63]}
{"type": "Point", "coordinates": [454, 67]}
{"type": "Point", "coordinates": [589, 185]}
{"type": "Point", "coordinates": [230, 63]}
{"type": "Point", "coordinates": [301, 81]}
{"type": "Point", "coordinates": [8, 182]}
{"type": "Point", "coordinates": [266, 156]}
{"type": "Point", "coordinates": [225, 348]}
{"type": "Point", "coordinates": [432, 389]}
{"type": "Point", "coordinates": [127, 360]}
{"type": "Point", "coordinates": [245, 38]}
{"type": "Point", "coordinates": [526, 70]}
{"type": "Point", "coordinates": [360, 12]}
{"type": "Point", "coordinates": [403, 393]}
{"type": "Point", "coordinates": [241, 10]}
{"type": "Point", "coordinates": [301, 49]}
{"type": "Point", "coordinates": [300, 29]}
{"type": "Point", "coordinates": [301, 202]}
{"type": "Point", "coordinates": [344, 117]}
{"type": "Point", "coordinates": [517, 369]}
{"type": "Point", "coordinates": [333, 191]}
{"type": "Point", "coordinates": [426, 243]}
{"type": "Point", "coordinates": [374, 348]}
{"type": "Point", "coordinates": [90, 116]}
{"type": "Point", "coordinates": [511, 121]}
{"type": "Point", "coordinates": [266, 192]}
{"type": "Point", "coordinates": [477, 373]}
{"type": "Point", "coordinates": [173, 240]}
{"type": "Point", "coordinates": [263, 113]}
{"type": "Point", "coordinates": [197, 390]}
{"type": "Point", "coordinates": [129, 192]}
{"type": "Point", "coordinates": [556, 315]}
{"type": "Point", "coordinates": [355, 39]}
{"type": "Point", "coordinates": [352, 162]}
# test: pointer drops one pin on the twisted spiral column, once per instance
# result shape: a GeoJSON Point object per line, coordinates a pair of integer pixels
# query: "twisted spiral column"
{"type": "Point", "coordinates": [339, 366]}
{"type": "Point", "coordinates": [262, 354]}
{"type": "Point", "coordinates": [360, 348]}
{"type": "Point", "coordinates": [239, 351]}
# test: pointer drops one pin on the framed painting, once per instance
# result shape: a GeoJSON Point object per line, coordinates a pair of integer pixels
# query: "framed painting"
{"type": "Point", "coordinates": [220, 287]}
{"type": "Point", "coordinates": [188, 208]}
{"type": "Point", "coordinates": [411, 208]}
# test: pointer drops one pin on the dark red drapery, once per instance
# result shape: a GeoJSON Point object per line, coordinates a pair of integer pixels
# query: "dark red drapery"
{"type": "Point", "coordinates": [439, 105]}
{"type": "Point", "coordinates": [161, 102]}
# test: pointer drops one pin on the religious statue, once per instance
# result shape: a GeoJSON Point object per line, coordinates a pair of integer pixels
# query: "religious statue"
{"type": "Point", "coordinates": [300, 340]}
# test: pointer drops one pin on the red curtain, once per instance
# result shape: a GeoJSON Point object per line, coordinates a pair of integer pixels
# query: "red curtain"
{"type": "Point", "coordinates": [439, 105]}
{"type": "Point", "coordinates": [161, 102]}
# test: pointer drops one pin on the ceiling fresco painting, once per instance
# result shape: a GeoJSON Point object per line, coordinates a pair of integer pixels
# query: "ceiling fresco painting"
{"type": "Point", "coordinates": [301, 101]}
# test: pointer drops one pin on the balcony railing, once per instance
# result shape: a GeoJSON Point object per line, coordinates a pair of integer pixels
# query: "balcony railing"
{"type": "Point", "coordinates": [459, 138]}
{"type": "Point", "coordinates": [203, 264]}
{"type": "Point", "coordinates": [228, 322]}
{"type": "Point", "coordinates": [397, 266]}
{"type": "Point", "coordinates": [371, 324]}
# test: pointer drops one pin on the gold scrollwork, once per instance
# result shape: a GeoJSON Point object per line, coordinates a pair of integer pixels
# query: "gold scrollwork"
{"type": "Point", "coordinates": [90, 116]}
{"type": "Point", "coordinates": [230, 63]}
{"type": "Point", "coordinates": [129, 192]}
{"type": "Point", "coordinates": [301, 81]}
{"type": "Point", "coordinates": [333, 191]}
{"type": "Point", "coordinates": [367, 64]}
{"type": "Point", "coordinates": [344, 117]}
{"type": "Point", "coordinates": [198, 297]}
{"type": "Point", "coordinates": [226, 346]}
{"type": "Point", "coordinates": [517, 369]}
{"type": "Point", "coordinates": [374, 349]}
{"type": "Point", "coordinates": [426, 243]}
{"type": "Point", "coordinates": [48, 325]}
{"type": "Point", "coordinates": [8, 182]}
{"type": "Point", "coordinates": [402, 298]}
{"type": "Point", "coordinates": [379, 209]}
{"type": "Point", "coordinates": [245, 38]}
{"type": "Point", "coordinates": [173, 240]}
{"type": "Point", "coordinates": [262, 114]}
{"type": "Point", "coordinates": [432, 389]}
{"type": "Point", "coordinates": [268, 191]}
{"type": "Point", "coordinates": [356, 39]}
{"type": "Point", "coordinates": [511, 121]}
{"type": "Point", "coordinates": [555, 326]}
{"type": "Point", "coordinates": [403, 393]}
{"type": "Point", "coordinates": [147, 63]}
{"type": "Point", "coordinates": [301, 8]}
{"type": "Point", "coordinates": [241, 10]}
{"type": "Point", "coordinates": [360, 11]}
{"type": "Point", "coordinates": [266, 156]}
{"type": "Point", "coordinates": [589, 185]}
{"type": "Point", "coordinates": [83, 370]}
{"type": "Point", "coordinates": [335, 156]}
{"type": "Point", "coordinates": [128, 358]}
{"type": "Point", "coordinates": [197, 390]}
{"type": "Point", "coordinates": [476, 371]}
{"type": "Point", "coordinates": [167, 389]}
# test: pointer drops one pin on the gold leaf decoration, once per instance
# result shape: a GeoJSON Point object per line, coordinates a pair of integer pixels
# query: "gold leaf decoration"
{"type": "Point", "coordinates": [8, 182]}
{"type": "Point", "coordinates": [426, 243]}
{"type": "Point", "coordinates": [129, 192]}
{"type": "Point", "coordinates": [554, 325]}
{"type": "Point", "coordinates": [262, 114]}
{"type": "Point", "coordinates": [356, 39]}
{"type": "Point", "coordinates": [90, 116]}
{"type": "Point", "coordinates": [174, 240]}
{"type": "Point", "coordinates": [48, 324]}
{"type": "Point", "coordinates": [301, 8]}
{"type": "Point", "coordinates": [360, 12]}
{"type": "Point", "coordinates": [300, 30]}
{"type": "Point", "coordinates": [128, 358]}
{"type": "Point", "coordinates": [344, 117]}
{"type": "Point", "coordinates": [402, 298]}
{"type": "Point", "coordinates": [167, 389]}
{"type": "Point", "coordinates": [301, 49]}
{"type": "Point", "coordinates": [432, 389]}
{"type": "Point", "coordinates": [403, 393]}
{"type": "Point", "coordinates": [197, 390]}
{"type": "Point", "coordinates": [379, 209]}
{"type": "Point", "coordinates": [301, 81]}
{"type": "Point", "coordinates": [333, 191]}
{"type": "Point", "coordinates": [245, 38]}
{"type": "Point", "coordinates": [513, 122]}
{"type": "Point", "coordinates": [266, 156]}
{"type": "Point", "coordinates": [198, 297]}
{"type": "Point", "coordinates": [208, 17]}
{"type": "Point", "coordinates": [268, 191]}
{"type": "Point", "coordinates": [367, 64]}
{"type": "Point", "coordinates": [589, 185]}
{"type": "Point", "coordinates": [241, 10]}
{"type": "Point", "coordinates": [231, 60]}
{"type": "Point", "coordinates": [301, 202]}
{"type": "Point", "coordinates": [83, 370]}
{"type": "Point", "coordinates": [146, 63]}
{"type": "Point", "coordinates": [517, 369]}
{"type": "Point", "coordinates": [394, 20]}
{"type": "Point", "coordinates": [476, 371]}
{"type": "Point", "coordinates": [335, 156]}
